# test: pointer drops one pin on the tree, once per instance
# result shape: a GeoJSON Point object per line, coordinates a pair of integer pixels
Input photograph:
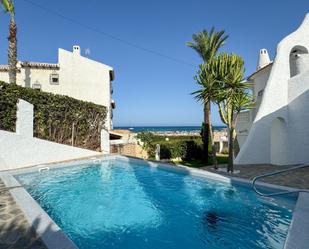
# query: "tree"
{"type": "Point", "coordinates": [8, 7]}
{"type": "Point", "coordinates": [208, 83]}
{"type": "Point", "coordinates": [232, 95]}
{"type": "Point", "coordinates": [207, 44]}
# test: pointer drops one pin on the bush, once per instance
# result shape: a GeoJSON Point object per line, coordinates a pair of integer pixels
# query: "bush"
{"type": "Point", "coordinates": [193, 150]}
{"type": "Point", "coordinates": [165, 152]}
{"type": "Point", "coordinates": [147, 139]}
{"type": "Point", "coordinates": [186, 150]}
{"type": "Point", "coordinates": [54, 116]}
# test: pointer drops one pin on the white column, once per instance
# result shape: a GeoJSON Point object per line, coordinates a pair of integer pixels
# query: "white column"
{"type": "Point", "coordinates": [105, 144]}
{"type": "Point", "coordinates": [24, 122]}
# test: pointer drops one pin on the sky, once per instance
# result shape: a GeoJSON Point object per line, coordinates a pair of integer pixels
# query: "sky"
{"type": "Point", "coordinates": [145, 43]}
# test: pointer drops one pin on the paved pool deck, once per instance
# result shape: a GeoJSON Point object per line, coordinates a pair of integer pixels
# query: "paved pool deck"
{"type": "Point", "coordinates": [15, 231]}
{"type": "Point", "coordinates": [295, 179]}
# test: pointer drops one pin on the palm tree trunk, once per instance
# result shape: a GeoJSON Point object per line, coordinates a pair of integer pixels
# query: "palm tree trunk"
{"type": "Point", "coordinates": [206, 132]}
{"type": "Point", "coordinates": [12, 52]}
{"type": "Point", "coordinates": [230, 166]}
{"type": "Point", "coordinates": [212, 142]}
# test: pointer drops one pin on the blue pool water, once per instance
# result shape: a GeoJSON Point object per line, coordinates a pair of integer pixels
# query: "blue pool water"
{"type": "Point", "coordinates": [119, 204]}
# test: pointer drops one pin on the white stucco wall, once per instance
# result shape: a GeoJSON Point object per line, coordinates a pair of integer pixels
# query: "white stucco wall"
{"type": "Point", "coordinates": [259, 83]}
{"type": "Point", "coordinates": [280, 101]}
{"type": "Point", "coordinates": [21, 149]}
{"type": "Point", "coordinates": [246, 118]}
{"type": "Point", "coordinates": [244, 123]}
{"type": "Point", "coordinates": [18, 151]}
{"type": "Point", "coordinates": [85, 79]}
{"type": "Point", "coordinates": [298, 116]}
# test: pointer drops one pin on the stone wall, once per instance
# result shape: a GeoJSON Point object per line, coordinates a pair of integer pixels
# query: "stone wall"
{"type": "Point", "coordinates": [129, 149]}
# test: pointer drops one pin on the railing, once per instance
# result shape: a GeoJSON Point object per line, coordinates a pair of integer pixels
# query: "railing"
{"type": "Point", "coordinates": [277, 173]}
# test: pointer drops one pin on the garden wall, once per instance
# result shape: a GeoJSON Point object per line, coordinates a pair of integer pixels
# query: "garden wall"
{"type": "Point", "coordinates": [57, 118]}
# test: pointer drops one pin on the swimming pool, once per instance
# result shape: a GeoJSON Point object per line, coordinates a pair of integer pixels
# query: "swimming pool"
{"type": "Point", "coordinates": [120, 203]}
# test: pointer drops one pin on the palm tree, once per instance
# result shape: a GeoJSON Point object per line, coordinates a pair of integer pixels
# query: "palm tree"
{"type": "Point", "coordinates": [8, 6]}
{"type": "Point", "coordinates": [207, 44]}
{"type": "Point", "coordinates": [207, 81]}
{"type": "Point", "coordinates": [232, 95]}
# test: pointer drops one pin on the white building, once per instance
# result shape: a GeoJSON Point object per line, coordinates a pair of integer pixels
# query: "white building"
{"type": "Point", "coordinates": [258, 80]}
{"type": "Point", "coordinates": [276, 131]}
{"type": "Point", "coordinates": [74, 75]}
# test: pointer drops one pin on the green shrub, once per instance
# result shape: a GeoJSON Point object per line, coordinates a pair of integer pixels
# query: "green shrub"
{"type": "Point", "coordinates": [193, 150]}
{"type": "Point", "coordinates": [147, 139]}
{"type": "Point", "coordinates": [186, 150]}
{"type": "Point", "coordinates": [54, 116]}
{"type": "Point", "coordinates": [165, 152]}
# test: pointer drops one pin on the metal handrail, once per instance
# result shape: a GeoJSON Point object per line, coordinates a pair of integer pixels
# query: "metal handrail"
{"type": "Point", "coordinates": [276, 173]}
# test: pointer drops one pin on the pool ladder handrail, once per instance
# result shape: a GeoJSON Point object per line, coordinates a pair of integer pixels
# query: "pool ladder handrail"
{"type": "Point", "coordinates": [277, 173]}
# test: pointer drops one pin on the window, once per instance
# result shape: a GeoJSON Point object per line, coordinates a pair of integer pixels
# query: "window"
{"type": "Point", "coordinates": [54, 79]}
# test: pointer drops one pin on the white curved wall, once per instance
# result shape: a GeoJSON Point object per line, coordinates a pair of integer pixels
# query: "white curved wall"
{"type": "Point", "coordinates": [278, 142]}
{"type": "Point", "coordinates": [298, 109]}
{"type": "Point", "coordinates": [256, 149]}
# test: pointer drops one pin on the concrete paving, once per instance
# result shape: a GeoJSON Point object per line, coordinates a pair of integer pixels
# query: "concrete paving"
{"type": "Point", "coordinates": [296, 179]}
{"type": "Point", "coordinates": [15, 232]}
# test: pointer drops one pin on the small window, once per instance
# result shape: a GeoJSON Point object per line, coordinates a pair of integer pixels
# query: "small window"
{"type": "Point", "coordinates": [54, 79]}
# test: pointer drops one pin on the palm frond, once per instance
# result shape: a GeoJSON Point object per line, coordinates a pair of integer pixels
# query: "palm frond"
{"type": "Point", "coordinates": [8, 6]}
{"type": "Point", "coordinates": [207, 44]}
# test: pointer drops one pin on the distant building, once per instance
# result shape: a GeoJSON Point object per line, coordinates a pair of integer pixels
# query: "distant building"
{"type": "Point", "coordinates": [74, 75]}
{"type": "Point", "coordinates": [276, 131]}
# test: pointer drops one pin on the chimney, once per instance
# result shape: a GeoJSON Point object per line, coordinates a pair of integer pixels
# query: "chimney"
{"type": "Point", "coordinates": [263, 58]}
{"type": "Point", "coordinates": [76, 50]}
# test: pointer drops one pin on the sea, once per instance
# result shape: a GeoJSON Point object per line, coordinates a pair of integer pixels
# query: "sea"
{"type": "Point", "coordinates": [166, 129]}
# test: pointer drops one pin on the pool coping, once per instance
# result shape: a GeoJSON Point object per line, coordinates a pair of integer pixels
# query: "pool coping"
{"type": "Point", "coordinates": [297, 237]}
{"type": "Point", "coordinates": [54, 238]}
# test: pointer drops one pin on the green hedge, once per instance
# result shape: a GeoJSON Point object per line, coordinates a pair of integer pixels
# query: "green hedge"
{"type": "Point", "coordinates": [54, 116]}
{"type": "Point", "coordinates": [186, 150]}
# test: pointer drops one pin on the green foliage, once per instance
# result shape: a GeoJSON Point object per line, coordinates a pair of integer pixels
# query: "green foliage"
{"type": "Point", "coordinates": [207, 44]}
{"type": "Point", "coordinates": [165, 151]}
{"type": "Point", "coordinates": [54, 116]}
{"type": "Point", "coordinates": [147, 139]}
{"type": "Point", "coordinates": [173, 139]}
{"type": "Point", "coordinates": [196, 163]}
{"type": "Point", "coordinates": [184, 149]}
{"type": "Point", "coordinates": [8, 6]}
{"type": "Point", "coordinates": [232, 94]}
